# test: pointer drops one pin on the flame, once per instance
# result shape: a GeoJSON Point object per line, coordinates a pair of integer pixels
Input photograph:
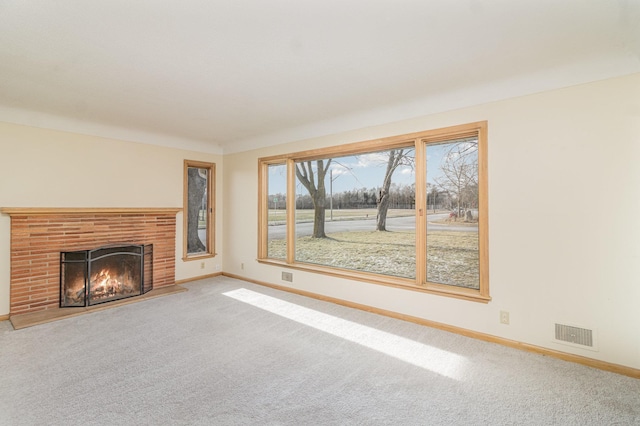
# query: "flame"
{"type": "Point", "coordinates": [104, 284]}
{"type": "Point", "coordinates": [102, 280]}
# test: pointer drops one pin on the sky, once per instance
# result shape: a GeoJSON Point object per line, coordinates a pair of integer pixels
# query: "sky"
{"type": "Point", "coordinates": [362, 171]}
{"type": "Point", "coordinates": [348, 173]}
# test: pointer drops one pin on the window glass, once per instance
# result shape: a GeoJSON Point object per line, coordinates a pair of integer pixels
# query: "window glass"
{"type": "Point", "coordinates": [277, 211]}
{"type": "Point", "coordinates": [357, 212]}
{"type": "Point", "coordinates": [198, 209]}
{"type": "Point", "coordinates": [452, 218]}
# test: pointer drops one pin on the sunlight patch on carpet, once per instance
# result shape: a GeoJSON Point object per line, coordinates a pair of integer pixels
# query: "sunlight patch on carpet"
{"type": "Point", "coordinates": [424, 356]}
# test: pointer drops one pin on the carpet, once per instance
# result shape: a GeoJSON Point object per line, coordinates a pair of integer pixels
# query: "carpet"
{"type": "Point", "coordinates": [228, 352]}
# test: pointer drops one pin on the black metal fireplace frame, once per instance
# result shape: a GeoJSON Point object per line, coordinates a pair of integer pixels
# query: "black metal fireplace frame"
{"type": "Point", "coordinates": [87, 257]}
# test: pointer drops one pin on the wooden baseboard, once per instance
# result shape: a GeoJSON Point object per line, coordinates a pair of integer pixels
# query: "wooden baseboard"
{"type": "Point", "coordinates": [589, 362]}
{"type": "Point", "coordinates": [200, 277]}
{"type": "Point", "coordinates": [4, 317]}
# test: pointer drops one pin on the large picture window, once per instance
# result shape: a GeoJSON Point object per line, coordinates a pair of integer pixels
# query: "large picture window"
{"type": "Point", "coordinates": [198, 229]}
{"type": "Point", "coordinates": [407, 211]}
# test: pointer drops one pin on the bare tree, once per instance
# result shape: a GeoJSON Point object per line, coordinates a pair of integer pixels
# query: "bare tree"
{"type": "Point", "coordinates": [397, 157]}
{"type": "Point", "coordinates": [459, 173]}
{"type": "Point", "coordinates": [197, 187]}
{"type": "Point", "coordinates": [314, 183]}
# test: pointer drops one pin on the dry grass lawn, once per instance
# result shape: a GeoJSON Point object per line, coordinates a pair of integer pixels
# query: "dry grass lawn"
{"type": "Point", "coordinates": [452, 257]}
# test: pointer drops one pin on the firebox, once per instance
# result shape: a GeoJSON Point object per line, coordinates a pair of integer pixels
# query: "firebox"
{"type": "Point", "coordinates": [105, 274]}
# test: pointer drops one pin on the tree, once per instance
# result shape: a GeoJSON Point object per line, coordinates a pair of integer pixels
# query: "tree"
{"type": "Point", "coordinates": [432, 197]}
{"type": "Point", "coordinates": [317, 191]}
{"type": "Point", "coordinates": [459, 174]}
{"type": "Point", "coordinates": [197, 186]}
{"type": "Point", "coordinates": [397, 157]}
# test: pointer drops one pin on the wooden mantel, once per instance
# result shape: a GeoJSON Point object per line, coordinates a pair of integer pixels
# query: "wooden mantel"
{"type": "Point", "coordinates": [32, 211]}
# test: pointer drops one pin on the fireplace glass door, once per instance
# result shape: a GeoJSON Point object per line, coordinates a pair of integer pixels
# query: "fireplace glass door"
{"type": "Point", "coordinates": [102, 275]}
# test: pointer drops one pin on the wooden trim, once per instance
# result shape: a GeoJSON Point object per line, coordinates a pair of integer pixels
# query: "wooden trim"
{"type": "Point", "coordinates": [4, 317]}
{"type": "Point", "coordinates": [386, 280]}
{"type": "Point", "coordinates": [469, 129]}
{"type": "Point", "coordinates": [578, 359]}
{"type": "Point", "coordinates": [263, 209]}
{"type": "Point", "coordinates": [32, 211]}
{"type": "Point", "coordinates": [185, 198]}
{"type": "Point", "coordinates": [291, 212]}
{"type": "Point", "coordinates": [457, 292]}
{"type": "Point", "coordinates": [479, 130]}
{"type": "Point", "coordinates": [355, 148]}
{"type": "Point", "coordinates": [483, 208]}
{"type": "Point", "coordinates": [263, 202]}
{"type": "Point", "coordinates": [200, 277]}
{"type": "Point", "coordinates": [421, 211]}
{"type": "Point", "coordinates": [211, 197]}
{"type": "Point", "coordinates": [199, 257]}
{"type": "Point", "coordinates": [369, 277]}
{"type": "Point", "coordinates": [211, 235]}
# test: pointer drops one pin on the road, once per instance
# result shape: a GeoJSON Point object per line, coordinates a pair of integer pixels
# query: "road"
{"type": "Point", "coordinates": [393, 224]}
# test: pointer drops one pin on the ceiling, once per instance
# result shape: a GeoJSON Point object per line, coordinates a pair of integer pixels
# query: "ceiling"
{"type": "Point", "coordinates": [224, 76]}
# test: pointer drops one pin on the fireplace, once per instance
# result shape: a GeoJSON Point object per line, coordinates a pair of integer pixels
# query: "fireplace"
{"type": "Point", "coordinates": [39, 235]}
{"type": "Point", "coordinates": [104, 274]}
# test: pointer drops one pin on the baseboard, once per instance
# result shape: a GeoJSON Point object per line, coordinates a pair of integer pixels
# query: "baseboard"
{"type": "Point", "coordinates": [589, 362]}
{"type": "Point", "coordinates": [199, 277]}
{"type": "Point", "coordinates": [4, 317]}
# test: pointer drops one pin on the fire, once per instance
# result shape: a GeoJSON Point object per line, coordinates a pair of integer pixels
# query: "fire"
{"type": "Point", "coordinates": [75, 292]}
{"type": "Point", "coordinates": [104, 285]}
{"type": "Point", "coordinates": [102, 281]}
{"type": "Point", "coordinates": [101, 275]}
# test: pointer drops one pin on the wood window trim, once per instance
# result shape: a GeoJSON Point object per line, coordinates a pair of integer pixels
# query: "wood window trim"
{"type": "Point", "coordinates": [210, 235]}
{"type": "Point", "coordinates": [479, 130]}
{"type": "Point", "coordinates": [420, 140]}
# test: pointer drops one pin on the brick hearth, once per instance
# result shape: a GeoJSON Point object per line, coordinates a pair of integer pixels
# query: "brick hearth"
{"type": "Point", "coordinates": [38, 235]}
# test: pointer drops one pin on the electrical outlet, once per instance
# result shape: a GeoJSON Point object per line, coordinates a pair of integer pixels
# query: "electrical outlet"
{"type": "Point", "coordinates": [242, 266]}
{"type": "Point", "coordinates": [287, 276]}
{"type": "Point", "coordinates": [201, 265]}
{"type": "Point", "coordinates": [504, 317]}
{"type": "Point", "coordinates": [218, 267]}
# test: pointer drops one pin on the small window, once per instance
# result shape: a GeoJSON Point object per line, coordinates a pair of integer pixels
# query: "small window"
{"type": "Point", "coordinates": [199, 181]}
{"type": "Point", "coordinates": [277, 207]}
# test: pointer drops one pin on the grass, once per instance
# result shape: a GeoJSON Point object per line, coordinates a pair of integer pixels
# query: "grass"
{"type": "Point", "coordinates": [452, 257]}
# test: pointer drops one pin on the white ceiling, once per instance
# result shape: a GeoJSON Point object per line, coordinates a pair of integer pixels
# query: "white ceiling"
{"type": "Point", "coordinates": [229, 75]}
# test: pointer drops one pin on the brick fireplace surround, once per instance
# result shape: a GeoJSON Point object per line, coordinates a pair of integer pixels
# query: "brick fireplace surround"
{"type": "Point", "coordinates": [38, 235]}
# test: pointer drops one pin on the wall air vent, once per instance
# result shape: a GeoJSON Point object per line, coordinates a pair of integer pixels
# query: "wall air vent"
{"type": "Point", "coordinates": [574, 335]}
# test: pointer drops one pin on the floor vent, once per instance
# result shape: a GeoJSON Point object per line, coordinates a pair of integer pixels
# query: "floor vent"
{"type": "Point", "coordinates": [575, 335]}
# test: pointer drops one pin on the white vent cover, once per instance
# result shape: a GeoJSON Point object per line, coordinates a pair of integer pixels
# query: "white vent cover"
{"type": "Point", "coordinates": [574, 335]}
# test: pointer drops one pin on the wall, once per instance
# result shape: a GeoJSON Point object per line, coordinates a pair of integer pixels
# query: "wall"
{"type": "Point", "coordinates": [564, 203]}
{"type": "Point", "coordinates": [46, 168]}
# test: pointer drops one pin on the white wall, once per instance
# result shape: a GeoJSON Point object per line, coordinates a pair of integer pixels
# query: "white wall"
{"type": "Point", "coordinates": [47, 168]}
{"type": "Point", "coordinates": [564, 206]}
